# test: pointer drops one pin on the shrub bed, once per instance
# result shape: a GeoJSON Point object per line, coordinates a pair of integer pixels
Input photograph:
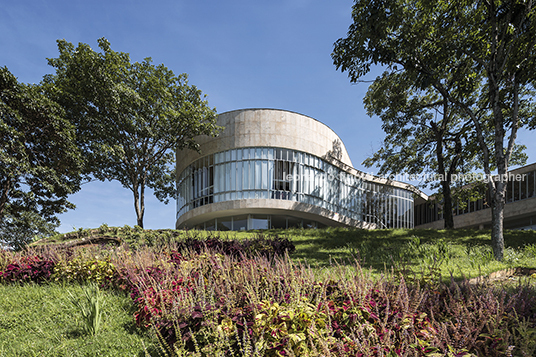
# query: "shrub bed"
{"type": "Point", "coordinates": [229, 298]}
{"type": "Point", "coordinates": [279, 309]}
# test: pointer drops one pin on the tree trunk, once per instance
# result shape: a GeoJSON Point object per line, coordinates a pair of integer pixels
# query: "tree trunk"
{"type": "Point", "coordinates": [497, 207]}
{"type": "Point", "coordinates": [448, 218]}
{"type": "Point", "coordinates": [497, 216]}
{"type": "Point", "coordinates": [498, 195]}
{"type": "Point", "coordinates": [4, 196]}
{"type": "Point", "coordinates": [142, 205]}
{"type": "Point", "coordinates": [138, 206]}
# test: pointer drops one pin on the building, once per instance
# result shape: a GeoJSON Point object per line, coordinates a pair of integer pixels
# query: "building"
{"type": "Point", "coordinates": [279, 169]}
{"type": "Point", "coordinates": [519, 211]}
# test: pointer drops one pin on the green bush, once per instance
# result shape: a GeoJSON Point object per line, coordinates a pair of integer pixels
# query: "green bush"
{"type": "Point", "coordinates": [296, 327]}
{"type": "Point", "coordinates": [82, 269]}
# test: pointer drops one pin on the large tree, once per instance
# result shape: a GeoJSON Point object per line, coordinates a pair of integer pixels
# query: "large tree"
{"type": "Point", "coordinates": [454, 46]}
{"type": "Point", "coordinates": [130, 117]}
{"type": "Point", "coordinates": [500, 40]}
{"type": "Point", "coordinates": [425, 136]}
{"type": "Point", "coordinates": [428, 137]}
{"type": "Point", "coordinates": [39, 161]}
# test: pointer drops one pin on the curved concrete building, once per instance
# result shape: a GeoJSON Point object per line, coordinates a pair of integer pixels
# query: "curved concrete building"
{"type": "Point", "coordinates": [278, 169]}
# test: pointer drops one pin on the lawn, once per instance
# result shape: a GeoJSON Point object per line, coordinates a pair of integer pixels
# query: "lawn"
{"type": "Point", "coordinates": [41, 320]}
{"type": "Point", "coordinates": [457, 253]}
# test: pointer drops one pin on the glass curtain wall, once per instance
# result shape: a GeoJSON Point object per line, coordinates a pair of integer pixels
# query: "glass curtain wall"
{"type": "Point", "coordinates": [517, 190]}
{"type": "Point", "coordinates": [257, 221]}
{"type": "Point", "coordinates": [276, 173]}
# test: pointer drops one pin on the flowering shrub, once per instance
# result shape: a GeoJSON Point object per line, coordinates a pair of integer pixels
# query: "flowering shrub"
{"type": "Point", "coordinates": [281, 310]}
{"type": "Point", "coordinates": [299, 327]}
{"type": "Point", "coordinates": [258, 246]}
{"type": "Point", "coordinates": [29, 268]}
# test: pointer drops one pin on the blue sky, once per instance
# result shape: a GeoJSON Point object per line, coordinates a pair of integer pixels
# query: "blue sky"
{"type": "Point", "coordinates": [242, 54]}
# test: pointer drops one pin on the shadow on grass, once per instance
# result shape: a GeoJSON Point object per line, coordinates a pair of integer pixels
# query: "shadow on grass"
{"type": "Point", "coordinates": [385, 248]}
{"type": "Point", "coordinates": [76, 332]}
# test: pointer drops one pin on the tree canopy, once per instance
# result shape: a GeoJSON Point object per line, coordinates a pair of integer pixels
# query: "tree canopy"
{"type": "Point", "coordinates": [425, 135]}
{"type": "Point", "coordinates": [130, 117]}
{"type": "Point", "coordinates": [39, 161]}
{"type": "Point", "coordinates": [479, 56]}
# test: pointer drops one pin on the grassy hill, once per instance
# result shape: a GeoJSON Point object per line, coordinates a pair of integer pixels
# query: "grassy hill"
{"type": "Point", "coordinates": [457, 253]}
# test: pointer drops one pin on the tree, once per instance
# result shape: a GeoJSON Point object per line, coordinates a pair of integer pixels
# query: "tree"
{"type": "Point", "coordinates": [424, 134]}
{"type": "Point", "coordinates": [39, 161]}
{"type": "Point", "coordinates": [21, 228]}
{"type": "Point", "coordinates": [130, 117]}
{"type": "Point", "coordinates": [480, 56]}
{"type": "Point", "coordinates": [500, 40]}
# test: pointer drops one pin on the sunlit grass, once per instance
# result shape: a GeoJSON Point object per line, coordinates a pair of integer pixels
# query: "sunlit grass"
{"type": "Point", "coordinates": [40, 320]}
{"type": "Point", "coordinates": [452, 253]}
{"type": "Point", "coordinates": [456, 253]}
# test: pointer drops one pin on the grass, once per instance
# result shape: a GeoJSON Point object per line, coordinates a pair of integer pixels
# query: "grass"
{"type": "Point", "coordinates": [40, 320]}
{"type": "Point", "coordinates": [457, 253]}
{"type": "Point", "coordinates": [451, 253]}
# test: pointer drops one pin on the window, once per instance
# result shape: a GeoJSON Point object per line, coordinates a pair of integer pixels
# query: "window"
{"type": "Point", "coordinates": [531, 185]}
{"type": "Point", "coordinates": [245, 175]}
{"type": "Point", "coordinates": [278, 222]}
{"type": "Point", "coordinates": [523, 189]}
{"type": "Point", "coordinates": [240, 223]}
{"type": "Point", "coordinates": [284, 174]}
{"type": "Point", "coordinates": [509, 193]}
{"type": "Point", "coordinates": [258, 175]}
{"type": "Point", "coordinates": [259, 222]}
{"type": "Point", "coordinates": [264, 175]}
{"type": "Point", "coordinates": [281, 171]}
{"type": "Point", "coordinates": [251, 175]}
{"type": "Point", "coordinates": [227, 174]}
{"type": "Point", "coordinates": [232, 176]}
{"type": "Point", "coordinates": [516, 185]}
{"type": "Point", "coordinates": [294, 222]}
{"type": "Point", "coordinates": [239, 170]}
{"type": "Point", "coordinates": [225, 224]}
{"type": "Point", "coordinates": [210, 225]}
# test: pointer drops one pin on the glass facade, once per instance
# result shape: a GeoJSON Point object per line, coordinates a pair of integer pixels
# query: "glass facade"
{"type": "Point", "coordinates": [516, 190]}
{"type": "Point", "coordinates": [283, 174]}
{"type": "Point", "coordinates": [257, 221]}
